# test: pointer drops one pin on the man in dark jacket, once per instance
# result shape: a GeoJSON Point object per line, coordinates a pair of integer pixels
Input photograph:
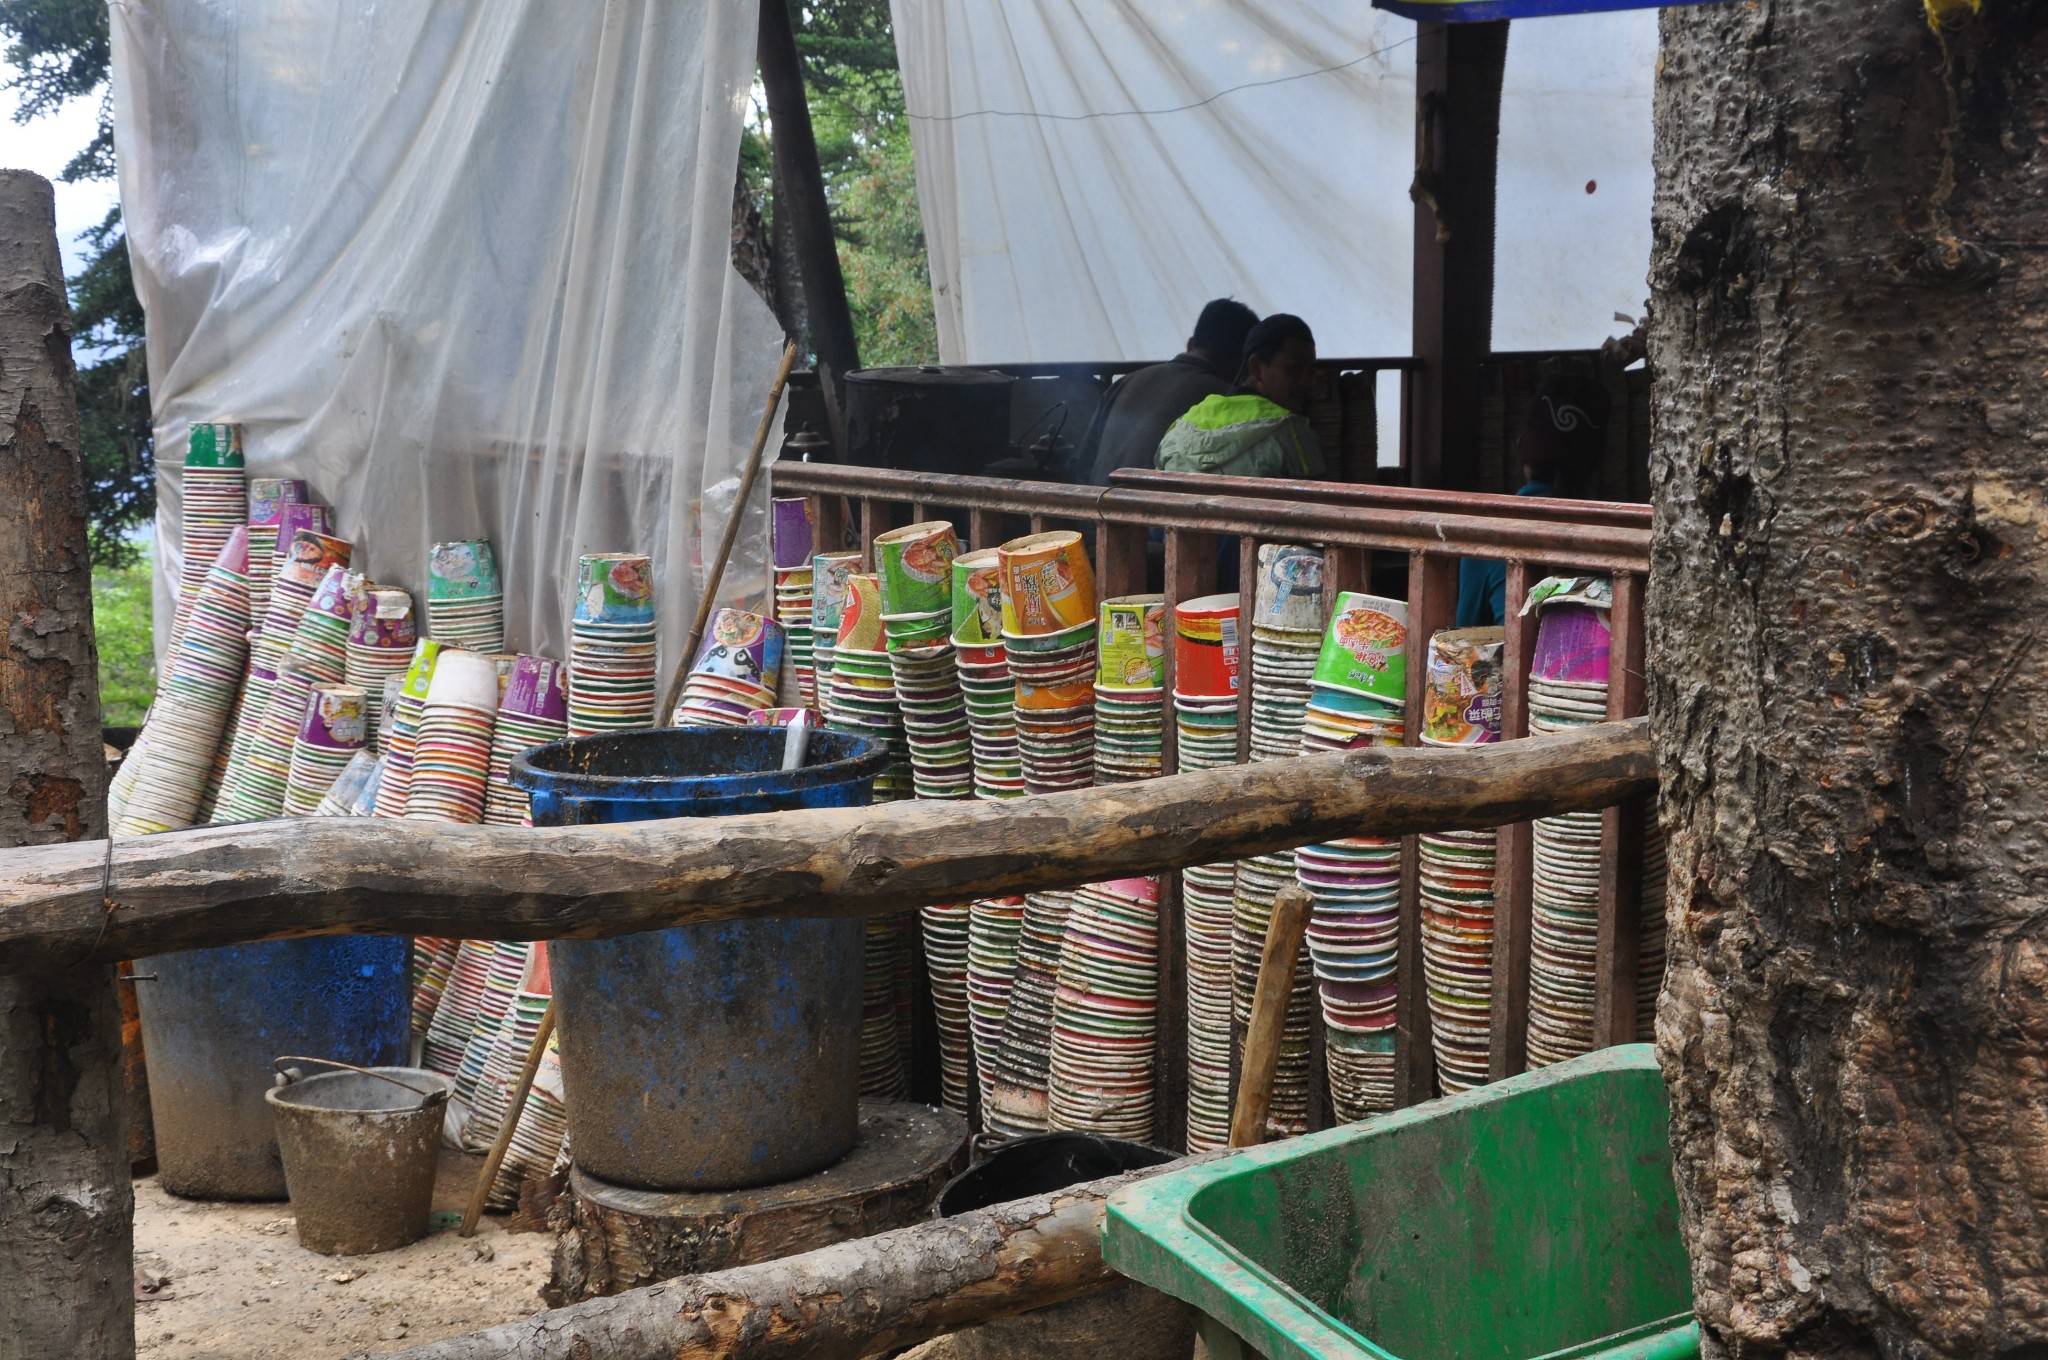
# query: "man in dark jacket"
{"type": "Point", "coordinates": [1137, 412]}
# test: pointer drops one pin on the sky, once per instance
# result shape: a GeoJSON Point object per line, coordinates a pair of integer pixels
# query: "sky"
{"type": "Point", "coordinates": [43, 146]}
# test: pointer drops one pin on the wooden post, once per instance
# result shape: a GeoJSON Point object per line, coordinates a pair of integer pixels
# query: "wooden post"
{"type": "Point", "coordinates": [800, 206]}
{"type": "Point", "coordinates": [1458, 71]}
{"type": "Point", "coordinates": [1621, 839]}
{"type": "Point", "coordinates": [1284, 937]}
{"type": "Point", "coordinates": [1514, 866]}
{"type": "Point", "coordinates": [1432, 606]}
{"type": "Point", "coordinates": [65, 1202]}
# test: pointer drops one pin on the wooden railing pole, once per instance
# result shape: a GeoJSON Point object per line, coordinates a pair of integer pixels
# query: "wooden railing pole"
{"type": "Point", "coordinates": [1622, 830]}
{"type": "Point", "coordinates": [1514, 863]}
{"type": "Point", "coordinates": [1247, 588]}
{"type": "Point", "coordinates": [1432, 607]}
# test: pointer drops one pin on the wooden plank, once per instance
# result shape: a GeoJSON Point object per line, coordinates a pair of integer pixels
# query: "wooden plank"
{"type": "Point", "coordinates": [1432, 607]}
{"type": "Point", "coordinates": [876, 518]}
{"type": "Point", "coordinates": [828, 516]}
{"type": "Point", "coordinates": [1621, 838]}
{"type": "Point", "coordinates": [1513, 891]}
{"type": "Point", "coordinates": [1190, 574]}
{"type": "Point", "coordinates": [1120, 560]}
{"type": "Point", "coordinates": [62, 904]}
{"type": "Point", "coordinates": [1261, 1062]}
{"type": "Point", "coordinates": [984, 528]}
{"type": "Point", "coordinates": [1170, 1049]}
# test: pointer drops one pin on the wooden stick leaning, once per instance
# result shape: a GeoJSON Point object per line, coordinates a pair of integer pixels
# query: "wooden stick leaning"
{"type": "Point", "coordinates": [715, 575]}
{"type": "Point", "coordinates": [1284, 935]}
{"type": "Point", "coordinates": [516, 1107]}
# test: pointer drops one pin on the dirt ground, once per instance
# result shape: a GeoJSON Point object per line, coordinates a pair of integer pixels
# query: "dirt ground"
{"type": "Point", "coordinates": [240, 1287]}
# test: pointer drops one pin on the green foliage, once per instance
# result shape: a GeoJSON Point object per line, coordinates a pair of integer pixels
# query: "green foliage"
{"type": "Point", "coordinates": [856, 99]}
{"type": "Point", "coordinates": [121, 621]}
{"type": "Point", "coordinates": [59, 49]}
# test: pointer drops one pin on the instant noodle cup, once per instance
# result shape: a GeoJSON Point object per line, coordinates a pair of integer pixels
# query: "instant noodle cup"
{"type": "Point", "coordinates": [860, 626]}
{"type": "Point", "coordinates": [977, 599]}
{"type": "Point", "coordinates": [792, 536]}
{"type": "Point", "coordinates": [1132, 651]}
{"type": "Point", "coordinates": [1462, 704]}
{"type": "Point", "coordinates": [1572, 644]}
{"type": "Point", "coordinates": [1365, 648]}
{"type": "Point", "coordinates": [1047, 583]}
{"type": "Point", "coordinates": [830, 573]}
{"type": "Point", "coordinates": [1290, 589]}
{"type": "Point", "coordinates": [914, 565]}
{"type": "Point", "coordinates": [615, 588]}
{"type": "Point", "coordinates": [742, 647]}
{"type": "Point", "coordinates": [1205, 650]}
{"type": "Point", "coordinates": [462, 570]}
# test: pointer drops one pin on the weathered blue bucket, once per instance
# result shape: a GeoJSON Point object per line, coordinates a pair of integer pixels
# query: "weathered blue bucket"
{"type": "Point", "coordinates": [707, 1057]}
{"type": "Point", "coordinates": [212, 1020]}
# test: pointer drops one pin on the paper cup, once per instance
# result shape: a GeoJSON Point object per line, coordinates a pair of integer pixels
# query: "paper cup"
{"type": "Point", "coordinates": [1132, 651]}
{"type": "Point", "coordinates": [463, 570]}
{"type": "Point", "coordinates": [615, 588]}
{"type": "Point", "coordinates": [1572, 644]}
{"type": "Point", "coordinates": [419, 676]}
{"type": "Point", "coordinates": [914, 565]}
{"type": "Point", "coordinates": [830, 573]}
{"type": "Point", "coordinates": [268, 496]}
{"type": "Point", "coordinates": [214, 444]}
{"type": "Point", "coordinates": [1462, 706]}
{"type": "Point", "coordinates": [465, 680]}
{"type": "Point", "coordinates": [1205, 650]}
{"type": "Point", "coordinates": [1047, 583]}
{"type": "Point", "coordinates": [308, 556]}
{"type": "Point", "coordinates": [860, 626]}
{"type": "Point", "coordinates": [741, 647]}
{"type": "Point", "coordinates": [385, 619]}
{"type": "Point", "coordinates": [336, 717]}
{"type": "Point", "coordinates": [537, 687]}
{"type": "Point", "coordinates": [1290, 588]}
{"type": "Point", "coordinates": [1365, 647]}
{"type": "Point", "coordinates": [792, 535]}
{"type": "Point", "coordinates": [977, 598]}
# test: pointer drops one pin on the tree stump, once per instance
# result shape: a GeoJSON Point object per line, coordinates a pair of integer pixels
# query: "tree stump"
{"type": "Point", "coordinates": [611, 1238]}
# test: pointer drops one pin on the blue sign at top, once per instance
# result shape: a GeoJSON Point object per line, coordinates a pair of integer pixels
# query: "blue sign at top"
{"type": "Point", "coordinates": [1481, 11]}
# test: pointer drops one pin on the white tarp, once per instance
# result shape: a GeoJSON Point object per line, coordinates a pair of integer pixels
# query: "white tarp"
{"type": "Point", "coordinates": [1090, 174]}
{"type": "Point", "coordinates": [463, 266]}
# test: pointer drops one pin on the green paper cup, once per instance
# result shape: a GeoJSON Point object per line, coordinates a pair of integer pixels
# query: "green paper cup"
{"type": "Point", "coordinates": [1365, 648]}
{"type": "Point", "coordinates": [915, 566]}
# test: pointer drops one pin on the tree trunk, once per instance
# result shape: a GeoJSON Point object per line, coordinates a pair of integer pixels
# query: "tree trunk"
{"type": "Point", "coordinates": [65, 1203]}
{"type": "Point", "coordinates": [1846, 617]}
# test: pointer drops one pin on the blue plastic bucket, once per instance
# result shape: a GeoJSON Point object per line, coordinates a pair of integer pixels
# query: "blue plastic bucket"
{"type": "Point", "coordinates": [707, 1057]}
{"type": "Point", "coordinates": [212, 1020]}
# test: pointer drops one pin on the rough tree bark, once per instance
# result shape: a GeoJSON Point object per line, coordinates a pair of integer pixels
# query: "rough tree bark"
{"type": "Point", "coordinates": [65, 1203]}
{"type": "Point", "coordinates": [1847, 681]}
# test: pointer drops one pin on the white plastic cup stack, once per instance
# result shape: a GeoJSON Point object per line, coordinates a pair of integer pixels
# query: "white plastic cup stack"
{"type": "Point", "coordinates": [401, 735]}
{"type": "Point", "coordinates": [452, 759]}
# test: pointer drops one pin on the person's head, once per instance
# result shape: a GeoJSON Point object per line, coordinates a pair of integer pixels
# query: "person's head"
{"type": "Point", "coordinates": [1220, 332]}
{"type": "Point", "coordinates": [1280, 361]}
{"type": "Point", "coordinates": [1564, 434]}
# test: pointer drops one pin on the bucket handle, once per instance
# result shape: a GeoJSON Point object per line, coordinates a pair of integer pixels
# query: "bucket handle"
{"type": "Point", "coordinates": [285, 1077]}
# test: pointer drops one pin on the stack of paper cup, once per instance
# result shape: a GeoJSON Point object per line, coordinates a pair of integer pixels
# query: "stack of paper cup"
{"type": "Point", "coordinates": [354, 791]}
{"type": "Point", "coordinates": [1205, 680]}
{"type": "Point", "coordinates": [509, 962]}
{"type": "Point", "coordinates": [982, 662]}
{"type": "Point", "coordinates": [381, 638]}
{"type": "Point", "coordinates": [1205, 719]}
{"type": "Point", "coordinates": [216, 503]}
{"type": "Point", "coordinates": [188, 724]}
{"type": "Point", "coordinates": [1019, 1095]}
{"type": "Point", "coordinates": [830, 574]}
{"type": "Point", "coordinates": [330, 735]}
{"type": "Point", "coordinates": [737, 669]}
{"type": "Point", "coordinates": [401, 740]}
{"type": "Point", "coordinates": [504, 1052]}
{"type": "Point", "coordinates": [946, 930]}
{"type": "Point", "coordinates": [1287, 621]}
{"type": "Point", "coordinates": [1105, 1012]}
{"type": "Point", "coordinates": [993, 927]}
{"type": "Point", "coordinates": [1353, 933]}
{"type": "Point", "coordinates": [455, 1014]}
{"type": "Point", "coordinates": [1568, 690]}
{"type": "Point", "coordinates": [533, 711]}
{"type": "Point", "coordinates": [915, 577]}
{"type": "Point", "coordinates": [863, 689]}
{"type": "Point", "coordinates": [1259, 879]}
{"type": "Point", "coordinates": [1130, 690]}
{"type": "Point", "coordinates": [255, 784]}
{"type": "Point", "coordinates": [882, 1072]}
{"type": "Point", "coordinates": [452, 757]}
{"type": "Point", "coordinates": [465, 597]}
{"type": "Point", "coordinates": [611, 645]}
{"type": "Point", "coordinates": [537, 1146]}
{"type": "Point", "coordinates": [268, 496]}
{"type": "Point", "coordinates": [432, 961]}
{"type": "Point", "coordinates": [792, 543]}
{"type": "Point", "coordinates": [1049, 633]}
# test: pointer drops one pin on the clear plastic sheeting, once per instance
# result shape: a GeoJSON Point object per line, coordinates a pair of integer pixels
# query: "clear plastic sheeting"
{"type": "Point", "coordinates": [464, 267]}
{"type": "Point", "coordinates": [1089, 175]}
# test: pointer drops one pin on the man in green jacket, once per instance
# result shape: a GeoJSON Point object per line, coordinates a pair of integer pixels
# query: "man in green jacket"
{"type": "Point", "coordinates": [1257, 429]}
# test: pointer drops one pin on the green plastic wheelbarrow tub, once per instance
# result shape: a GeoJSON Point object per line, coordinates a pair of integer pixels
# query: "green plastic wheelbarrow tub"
{"type": "Point", "coordinates": [1532, 1218]}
